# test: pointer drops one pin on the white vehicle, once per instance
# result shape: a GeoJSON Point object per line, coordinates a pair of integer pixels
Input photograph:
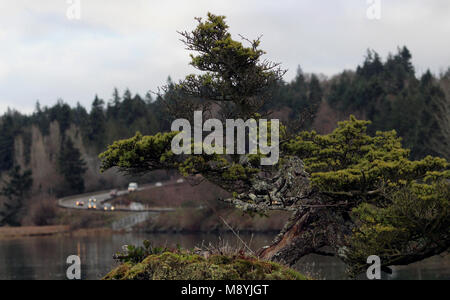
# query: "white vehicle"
{"type": "Point", "coordinates": [132, 187]}
{"type": "Point", "coordinates": [181, 180]}
{"type": "Point", "coordinates": [158, 184]}
{"type": "Point", "coordinates": [136, 206]}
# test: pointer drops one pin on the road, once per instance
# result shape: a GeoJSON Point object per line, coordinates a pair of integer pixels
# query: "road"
{"type": "Point", "coordinates": [71, 202]}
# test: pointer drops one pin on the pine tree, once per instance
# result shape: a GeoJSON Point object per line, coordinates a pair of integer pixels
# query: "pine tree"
{"type": "Point", "coordinates": [80, 117]}
{"type": "Point", "coordinates": [72, 167]}
{"type": "Point", "coordinates": [15, 189]}
{"type": "Point", "coordinates": [97, 122]}
{"type": "Point", "coordinates": [233, 76]}
{"type": "Point", "coordinates": [315, 95]}
{"type": "Point", "coordinates": [61, 113]}
{"type": "Point", "coordinates": [433, 136]}
{"type": "Point", "coordinates": [114, 105]}
{"type": "Point", "coordinates": [7, 134]}
{"type": "Point", "coordinates": [351, 192]}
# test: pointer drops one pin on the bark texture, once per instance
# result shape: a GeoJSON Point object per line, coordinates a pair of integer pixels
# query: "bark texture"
{"type": "Point", "coordinates": [317, 221]}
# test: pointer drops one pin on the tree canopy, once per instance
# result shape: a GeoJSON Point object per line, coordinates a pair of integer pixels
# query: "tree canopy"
{"type": "Point", "coordinates": [400, 208]}
{"type": "Point", "coordinates": [234, 77]}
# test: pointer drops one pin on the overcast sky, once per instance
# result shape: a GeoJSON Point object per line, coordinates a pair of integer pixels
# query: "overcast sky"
{"type": "Point", "coordinates": [134, 44]}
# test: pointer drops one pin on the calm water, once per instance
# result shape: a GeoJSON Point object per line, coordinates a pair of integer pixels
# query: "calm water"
{"type": "Point", "coordinates": [45, 257]}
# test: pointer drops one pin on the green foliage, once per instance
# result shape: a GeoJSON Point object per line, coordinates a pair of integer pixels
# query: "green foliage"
{"type": "Point", "coordinates": [238, 172]}
{"type": "Point", "coordinates": [184, 265]}
{"type": "Point", "coordinates": [136, 254]}
{"type": "Point", "coordinates": [412, 227]}
{"type": "Point", "coordinates": [197, 164]}
{"type": "Point", "coordinates": [232, 73]}
{"type": "Point", "coordinates": [140, 153]}
{"type": "Point", "coordinates": [350, 160]}
{"type": "Point", "coordinates": [370, 176]}
{"type": "Point", "coordinates": [400, 207]}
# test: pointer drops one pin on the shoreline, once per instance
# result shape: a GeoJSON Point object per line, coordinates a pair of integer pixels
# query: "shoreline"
{"type": "Point", "coordinates": [32, 231]}
{"type": "Point", "coordinates": [46, 231]}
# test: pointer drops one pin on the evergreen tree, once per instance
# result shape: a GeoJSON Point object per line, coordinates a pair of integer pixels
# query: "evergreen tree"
{"type": "Point", "coordinates": [72, 167]}
{"type": "Point", "coordinates": [15, 189]}
{"type": "Point", "coordinates": [7, 135]}
{"type": "Point", "coordinates": [126, 109]}
{"type": "Point", "coordinates": [97, 122]}
{"type": "Point", "coordinates": [80, 117]}
{"type": "Point", "coordinates": [315, 96]}
{"type": "Point", "coordinates": [61, 113]}
{"type": "Point", "coordinates": [372, 65]}
{"type": "Point", "coordinates": [297, 92]}
{"type": "Point", "coordinates": [41, 118]}
{"type": "Point", "coordinates": [349, 192]}
{"type": "Point", "coordinates": [114, 105]}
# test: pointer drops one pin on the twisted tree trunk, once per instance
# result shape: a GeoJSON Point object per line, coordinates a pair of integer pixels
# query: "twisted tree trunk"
{"type": "Point", "coordinates": [308, 231]}
{"type": "Point", "coordinates": [316, 222]}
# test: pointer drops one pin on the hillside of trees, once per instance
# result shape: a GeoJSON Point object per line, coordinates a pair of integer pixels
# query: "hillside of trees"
{"type": "Point", "coordinates": [56, 148]}
{"type": "Point", "coordinates": [392, 97]}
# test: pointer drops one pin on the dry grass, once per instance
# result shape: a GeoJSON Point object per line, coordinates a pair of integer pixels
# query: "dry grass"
{"type": "Point", "coordinates": [225, 248]}
{"type": "Point", "coordinates": [42, 211]}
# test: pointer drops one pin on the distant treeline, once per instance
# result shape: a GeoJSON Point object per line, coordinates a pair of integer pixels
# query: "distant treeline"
{"type": "Point", "coordinates": [386, 92]}
{"type": "Point", "coordinates": [392, 97]}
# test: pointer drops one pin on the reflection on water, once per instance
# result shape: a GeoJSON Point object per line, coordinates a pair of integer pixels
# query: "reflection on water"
{"type": "Point", "coordinates": [320, 267]}
{"type": "Point", "coordinates": [45, 257]}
